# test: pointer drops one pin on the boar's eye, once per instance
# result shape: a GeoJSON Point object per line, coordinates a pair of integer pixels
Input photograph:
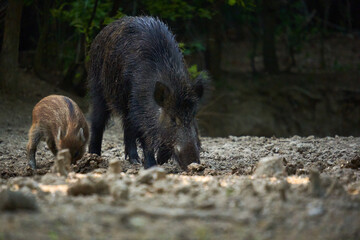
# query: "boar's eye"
{"type": "Point", "coordinates": [176, 121]}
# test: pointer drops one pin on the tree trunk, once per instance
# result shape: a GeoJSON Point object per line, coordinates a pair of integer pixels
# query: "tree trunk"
{"type": "Point", "coordinates": [40, 54]}
{"type": "Point", "coordinates": [10, 47]}
{"type": "Point", "coordinates": [268, 13]}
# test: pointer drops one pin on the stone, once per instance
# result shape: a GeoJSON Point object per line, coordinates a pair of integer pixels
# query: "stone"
{"type": "Point", "coordinates": [119, 190]}
{"type": "Point", "coordinates": [88, 186]}
{"type": "Point", "coordinates": [16, 200]}
{"type": "Point", "coordinates": [62, 163]}
{"type": "Point", "coordinates": [147, 176]}
{"type": "Point", "coordinates": [196, 167]}
{"type": "Point", "coordinates": [115, 166]}
{"type": "Point", "coordinates": [270, 167]}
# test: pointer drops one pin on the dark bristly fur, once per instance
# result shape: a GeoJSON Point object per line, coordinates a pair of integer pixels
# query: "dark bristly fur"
{"type": "Point", "coordinates": [60, 122]}
{"type": "Point", "coordinates": [137, 70]}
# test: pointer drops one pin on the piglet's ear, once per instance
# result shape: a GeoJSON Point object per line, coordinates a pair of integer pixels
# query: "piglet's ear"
{"type": "Point", "coordinates": [59, 134]}
{"type": "Point", "coordinates": [161, 94]}
{"type": "Point", "coordinates": [81, 135]}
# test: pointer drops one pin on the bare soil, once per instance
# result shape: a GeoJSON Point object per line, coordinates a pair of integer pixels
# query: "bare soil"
{"type": "Point", "coordinates": [309, 188]}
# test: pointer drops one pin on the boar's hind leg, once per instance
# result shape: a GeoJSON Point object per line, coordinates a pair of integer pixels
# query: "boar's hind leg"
{"type": "Point", "coordinates": [163, 155]}
{"type": "Point", "coordinates": [130, 143]}
{"type": "Point", "coordinates": [149, 157]}
{"type": "Point", "coordinates": [35, 136]}
{"type": "Point", "coordinates": [99, 116]}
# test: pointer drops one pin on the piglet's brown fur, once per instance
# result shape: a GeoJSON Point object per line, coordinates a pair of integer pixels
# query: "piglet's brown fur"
{"type": "Point", "coordinates": [60, 122]}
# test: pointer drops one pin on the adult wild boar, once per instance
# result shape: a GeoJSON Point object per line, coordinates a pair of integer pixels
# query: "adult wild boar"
{"type": "Point", "coordinates": [60, 122]}
{"type": "Point", "coordinates": [138, 71]}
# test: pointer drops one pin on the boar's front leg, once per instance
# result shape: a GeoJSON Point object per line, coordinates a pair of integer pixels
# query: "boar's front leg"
{"type": "Point", "coordinates": [163, 155]}
{"type": "Point", "coordinates": [130, 143]}
{"type": "Point", "coordinates": [149, 156]}
{"type": "Point", "coordinates": [35, 136]}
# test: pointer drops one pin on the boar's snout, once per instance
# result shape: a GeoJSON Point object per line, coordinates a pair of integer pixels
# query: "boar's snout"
{"type": "Point", "coordinates": [186, 154]}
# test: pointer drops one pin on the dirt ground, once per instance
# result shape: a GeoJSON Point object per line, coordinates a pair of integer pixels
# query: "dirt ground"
{"type": "Point", "coordinates": [245, 188]}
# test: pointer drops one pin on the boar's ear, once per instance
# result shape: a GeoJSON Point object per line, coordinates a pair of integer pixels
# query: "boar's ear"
{"type": "Point", "coordinates": [81, 135]}
{"type": "Point", "coordinates": [59, 134]}
{"type": "Point", "coordinates": [199, 87]}
{"type": "Point", "coordinates": [161, 94]}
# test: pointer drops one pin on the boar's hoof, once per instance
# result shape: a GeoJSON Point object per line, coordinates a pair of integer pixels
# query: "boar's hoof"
{"type": "Point", "coordinates": [32, 165]}
{"type": "Point", "coordinates": [134, 161]}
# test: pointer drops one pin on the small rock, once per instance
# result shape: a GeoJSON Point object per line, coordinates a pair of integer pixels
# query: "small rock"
{"type": "Point", "coordinates": [183, 189]}
{"type": "Point", "coordinates": [315, 209]}
{"type": "Point", "coordinates": [15, 200]}
{"type": "Point", "coordinates": [195, 167]}
{"type": "Point", "coordinates": [62, 163]}
{"type": "Point", "coordinates": [147, 176]}
{"type": "Point", "coordinates": [269, 167]}
{"type": "Point", "coordinates": [303, 147]}
{"type": "Point", "coordinates": [353, 163]}
{"type": "Point", "coordinates": [276, 150]}
{"type": "Point", "coordinates": [20, 182]}
{"type": "Point", "coordinates": [315, 184]}
{"type": "Point", "coordinates": [88, 186]}
{"type": "Point", "coordinates": [132, 171]}
{"type": "Point", "coordinates": [119, 190]}
{"type": "Point", "coordinates": [93, 164]}
{"type": "Point", "coordinates": [138, 221]}
{"type": "Point", "coordinates": [115, 166]}
{"type": "Point", "coordinates": [302, 171]}
{"type": "Point", "coordinates": [269, 146]}
{"type": "Point", "coordinates": [51, 178]}
{"type": "Point", "coordinates": [204, 202]}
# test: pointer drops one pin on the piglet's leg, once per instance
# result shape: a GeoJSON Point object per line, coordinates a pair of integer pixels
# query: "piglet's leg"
{"type": "Point", "coordinates": [52, 146]}
{"type": "Point", "coordinates": [35, 136]}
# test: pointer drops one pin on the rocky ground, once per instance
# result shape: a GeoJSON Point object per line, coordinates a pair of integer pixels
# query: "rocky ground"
{"type": "Point", "coordinates": [245, 188]}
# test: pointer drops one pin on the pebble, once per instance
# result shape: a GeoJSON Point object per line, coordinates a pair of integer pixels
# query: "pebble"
{"type": "Point", "coordinates": [147, 176]}
{"type": "Point", "coordinates": [314, 209]}
{"type": "Point", "coordinates": [16, 200]}
{"type": "Point", "coordinates": [119, 190]}
{"type": "Point", "coordinates": [62, 163]}
{"type": "Point", "coordinates": [270, 166]}
{"type": "Point", "coordinates": [196, 167]}
{"type": "Point", "coordinates": [115, 166]}
{"type": "Point", "coordinates": [88, 186]}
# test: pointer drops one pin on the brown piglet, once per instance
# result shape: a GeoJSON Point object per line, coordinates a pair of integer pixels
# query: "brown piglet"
{"type": "Point", "coordinates": [59, 121]}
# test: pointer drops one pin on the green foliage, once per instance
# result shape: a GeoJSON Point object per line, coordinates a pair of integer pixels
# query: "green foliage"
{"type": "Point", "coordinates": [28, 2]}
{"type": "Point", "coordinates": [293, 22]}
{"type": "Point", "coordinates": [179, 9]}
{"type": "Point", "coordinates": [190, 48]}
{"type": "Point", "coordinates": [193, 70]}
{"type": "Point", "coordinates": [78, 14]}
{"type": "Point", "coordinates": [244, 3]}
{"type": "Point", "coordinates": [118, 15]}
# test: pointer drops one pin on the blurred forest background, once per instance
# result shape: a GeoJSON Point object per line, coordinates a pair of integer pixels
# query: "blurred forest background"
{"type": "Point", "coordinates": [278, 67]}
